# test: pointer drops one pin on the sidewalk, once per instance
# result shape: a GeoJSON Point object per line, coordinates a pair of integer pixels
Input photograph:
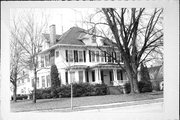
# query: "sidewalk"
{"type": "Point", "coordinates": [105, 106]}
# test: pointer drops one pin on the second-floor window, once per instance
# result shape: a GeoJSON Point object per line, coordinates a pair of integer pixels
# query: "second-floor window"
{"type": "Point", "coordinates": [80, 56]}
{"type": "Point", "coordinates": [42, 61]}
{"type": "Point", "coordinates": [70, 55]}
{"type": "Point", "coordinates": [75, 56]}
{"type": "Point", "coordinates": [47, 61]}
{"type": "Point", "coordinates": [97, 56]}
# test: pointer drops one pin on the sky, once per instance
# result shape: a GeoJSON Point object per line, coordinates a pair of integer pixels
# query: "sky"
{"type": "Point", "coordinates": [63, 18]}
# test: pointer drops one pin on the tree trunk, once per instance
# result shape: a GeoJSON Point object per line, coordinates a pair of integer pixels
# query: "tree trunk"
{"type": "Point", "coordinates": [35, 80]}
{"type": "Point", "coordinates": [14, 93]}
{"type": "Point", "coordinates": [132, 76]}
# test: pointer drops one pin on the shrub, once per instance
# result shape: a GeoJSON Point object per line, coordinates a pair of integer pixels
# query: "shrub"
{"type": "Point", "coordinates": [145, 86]}
{"type": "Point", "coordinates": [127, 87]}
{"type": "Point", "coordinates": [101, 89]}
{"type": "Point", "coordinates": [55, 82]}
{"type": "Point", "coordinates": [41, 93]}
{"type": "Point", "coordinates": [82, 89]}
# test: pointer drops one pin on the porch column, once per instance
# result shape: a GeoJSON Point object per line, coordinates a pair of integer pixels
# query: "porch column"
{"type": "Point", "coordinates": [99, 75]}
{"type": "Point", "coordinates": [115, 77]}
{"type": "Point", "coordinates": [84, 76]}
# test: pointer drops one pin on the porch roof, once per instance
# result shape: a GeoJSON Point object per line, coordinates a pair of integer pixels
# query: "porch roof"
{"type": "Point", "coordinates": [105, 66]}
{"type": "Point", "coordinates": [77, 67]}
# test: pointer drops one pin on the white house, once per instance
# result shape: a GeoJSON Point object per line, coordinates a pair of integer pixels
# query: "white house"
{"type": "Point", "coordinates": [79, 57]}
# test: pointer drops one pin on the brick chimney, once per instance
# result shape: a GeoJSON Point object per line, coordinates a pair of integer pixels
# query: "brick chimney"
{"type": "Point", "coordinates": [52, 30]}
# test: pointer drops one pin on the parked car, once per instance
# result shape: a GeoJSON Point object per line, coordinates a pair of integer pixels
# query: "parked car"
{"type": "Point", "coordinates": [20, 97]}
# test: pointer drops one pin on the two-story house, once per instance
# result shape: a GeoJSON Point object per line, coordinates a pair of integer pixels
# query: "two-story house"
{"type": "Point", "coordinates": [79, 57]}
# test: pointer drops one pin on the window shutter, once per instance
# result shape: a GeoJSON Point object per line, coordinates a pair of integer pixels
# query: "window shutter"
{"type": "Point", "coordinates": [105, 56]}
{"type": "Point", "coordinates": [66, 74]}
{"type": "Point", "coordinates": [115, 57]}
{"type": "Point", "coordinates": [89, 56]}
{"type": "Point", "coordinates": [66, 55]}
{"type": "Point", "coordinates": [112, 57]}
{"type": "Point", "coordinates": [84, 55]}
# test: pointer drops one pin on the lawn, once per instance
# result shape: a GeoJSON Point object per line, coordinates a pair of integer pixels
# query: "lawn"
{"type": "Point", "coordinates": [61, 103]}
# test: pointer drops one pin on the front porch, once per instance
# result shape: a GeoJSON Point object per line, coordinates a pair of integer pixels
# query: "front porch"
{"type": "Point", "coordinates": [109, 74]}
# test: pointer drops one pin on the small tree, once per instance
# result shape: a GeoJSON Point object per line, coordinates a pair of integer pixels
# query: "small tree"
{"type": "Point", "coordinates": [55, 82]}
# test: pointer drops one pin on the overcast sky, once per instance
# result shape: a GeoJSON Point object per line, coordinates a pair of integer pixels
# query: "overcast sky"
{"type": "Point", "coordinates": [63, 18]}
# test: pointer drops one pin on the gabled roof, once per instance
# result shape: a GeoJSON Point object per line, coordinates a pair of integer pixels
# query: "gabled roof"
{"type": "Point", "coordinates": [72, 36]}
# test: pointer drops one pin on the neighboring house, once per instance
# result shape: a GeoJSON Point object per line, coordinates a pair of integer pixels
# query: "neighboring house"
{"type": "Point", "coordinates": [156, 73]}
{"type": "Point", "coordinates": [78, 59]}
{"type": "Point", "coordinates": [24, 85]}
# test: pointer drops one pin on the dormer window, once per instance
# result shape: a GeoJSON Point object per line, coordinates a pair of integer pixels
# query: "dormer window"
{"type": "Point", "coordinates": [94, 39]}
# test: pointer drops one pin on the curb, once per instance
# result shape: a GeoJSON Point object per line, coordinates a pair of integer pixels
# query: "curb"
{"type": "Point", "coordinates": [104, 106]}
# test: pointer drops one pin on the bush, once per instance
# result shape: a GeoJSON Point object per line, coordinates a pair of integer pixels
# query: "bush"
{"type": "Point", "coordinates": [145, 86]}
{"type": "Point", "coordinates": [101, 89]}
{"type": "Point", "coordinates": [127, 87]}
{"type": "Point", "coordinates": [82, 89]}
{"type": "Point", "coordinates": [20, 97]}
{"type": "Point", "coordinates": [42, 93]}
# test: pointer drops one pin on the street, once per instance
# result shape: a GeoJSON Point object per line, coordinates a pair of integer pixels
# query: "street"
{"type": "Point", "coordinates": [149, 108]}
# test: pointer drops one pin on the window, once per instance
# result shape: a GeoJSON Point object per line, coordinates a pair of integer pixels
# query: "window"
{"type": "Point", "coordinates": [42, 61]}
{"type": "Point", "coordinates": [43, 81]}
{"type": "Point", "coordinates": [48, 80]}
{"type": "Point", "coordinates": [102, 56]}
{"type": "Point", "coordinates": [97, 56]}
{"type": "Point", "coordinates": [66, 74]}
{"type": "Point", "coordinates": [119, 75]}
{"type": "Point", "coordinates": [93, 76]}
{"type": "Point", "coordinates": [47, 62]}
{"type": "Point", "coordinates": [70, 55]}
{"type": "Point", "coordinates": [72, 76]}
{"type": "Point", "coordinates": [92, 56]}
{"type": "Point", "coordinates": [80, 76]}
{"type": "Point", "coordinates": [75, 56]}
{"type": "Point", "coordinates": [118, 57]}
{"type": "Point", "coordinates": [37, 82]}
{"type": "Point", "coordinates": [80, 56]}
{"type": "Point", "coordinates": [57, 53]}
{"type": "Point", "coordinates": [109, 57]}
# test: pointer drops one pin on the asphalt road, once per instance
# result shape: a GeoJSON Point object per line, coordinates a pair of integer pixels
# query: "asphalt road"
{"type": "Point", "coordinates": [147, 108]}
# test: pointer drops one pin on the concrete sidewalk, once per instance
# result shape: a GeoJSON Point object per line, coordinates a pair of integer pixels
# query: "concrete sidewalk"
{"type": "Point", "coordinates": [104, 106]}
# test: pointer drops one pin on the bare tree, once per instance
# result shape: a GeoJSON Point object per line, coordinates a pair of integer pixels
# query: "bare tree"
{"type": "Point", "coordinates": [16, 62]}
{"type": "Point", "coordinates": [32, 26]}
{"type": "Point", "coordinates": [135, 33]}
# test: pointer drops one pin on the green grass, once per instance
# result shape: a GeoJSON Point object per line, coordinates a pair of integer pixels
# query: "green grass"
{"type": "Point", "coordinates": [61, 103]}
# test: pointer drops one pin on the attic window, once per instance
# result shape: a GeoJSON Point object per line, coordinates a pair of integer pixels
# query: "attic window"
{"type": "Point", "coordinates": [93, 39]}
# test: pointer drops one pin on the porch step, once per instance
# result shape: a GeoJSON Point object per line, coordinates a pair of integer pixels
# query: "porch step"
{"type": "Point", "coordinates": [115, 90]}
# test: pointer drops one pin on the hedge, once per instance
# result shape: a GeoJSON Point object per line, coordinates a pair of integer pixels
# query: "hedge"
{"type": "Point", "coordinates": [79, 90]}
{"type": "Point", "coordinates": [144, 86]}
